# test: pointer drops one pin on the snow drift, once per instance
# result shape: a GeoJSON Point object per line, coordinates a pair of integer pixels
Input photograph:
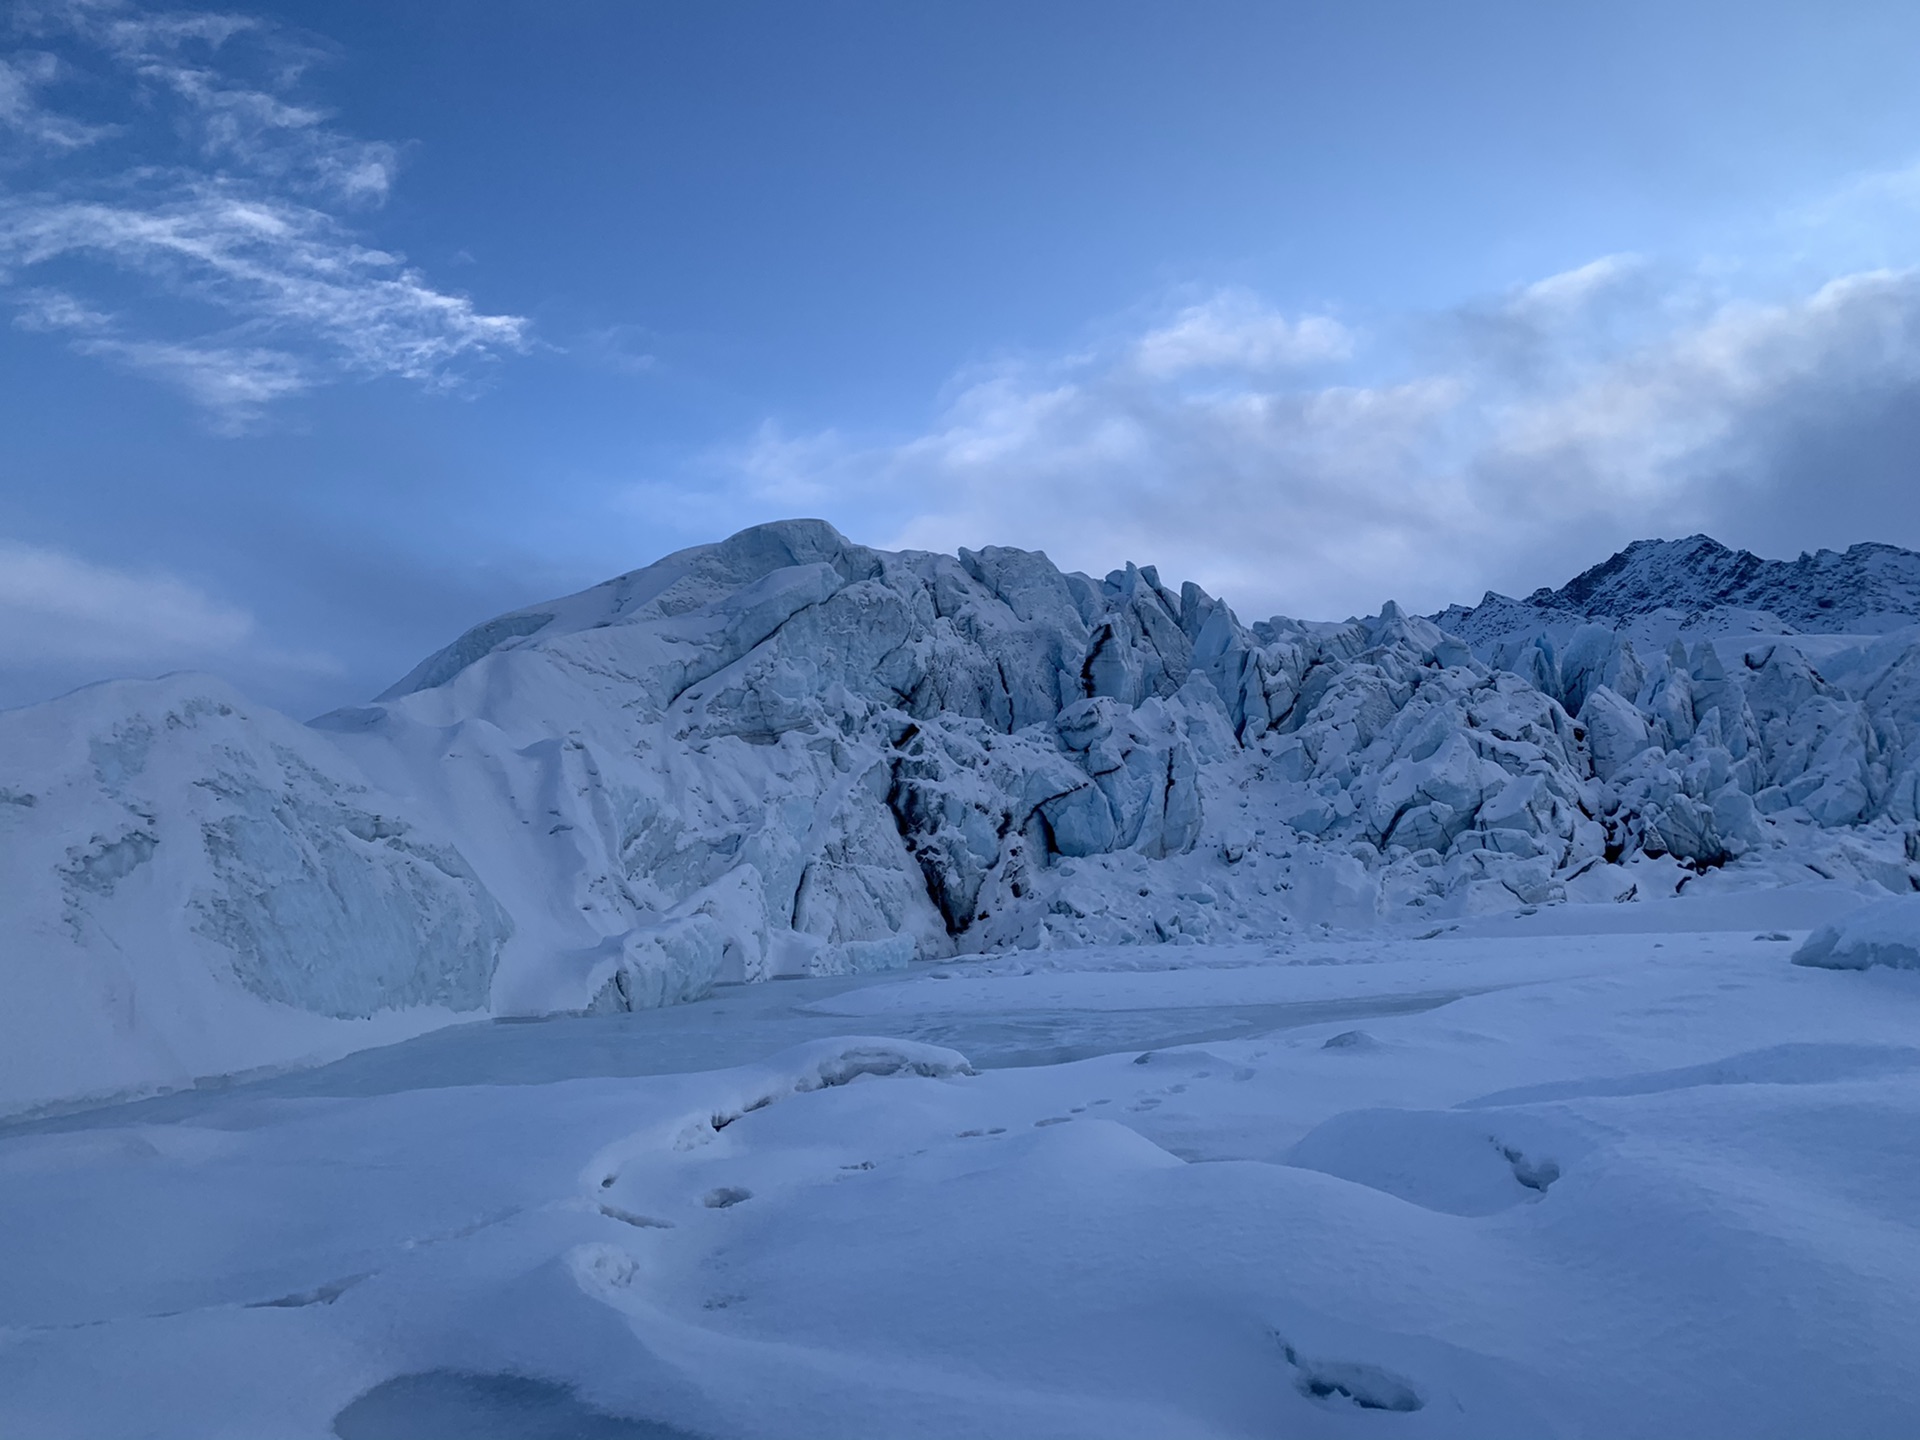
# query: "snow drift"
{"type": "Point", "coordinates": [789, 754]}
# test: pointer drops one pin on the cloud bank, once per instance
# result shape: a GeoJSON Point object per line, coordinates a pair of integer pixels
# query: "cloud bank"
{"type": "Point", "coordinates": [66, 620]}
{"type": "Point", "coordinates": [218, 216]}
{"type": "Point", "coordinates": [1305, 465]}
{"type": "Point", "coordinates": [57, 607]}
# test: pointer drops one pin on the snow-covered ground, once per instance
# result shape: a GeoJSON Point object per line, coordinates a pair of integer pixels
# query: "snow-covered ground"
{"type": "Point", "coordinates": [1601, 1170]}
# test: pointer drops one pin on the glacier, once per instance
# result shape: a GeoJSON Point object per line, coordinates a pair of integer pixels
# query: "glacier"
{"type": "Point", "coordinates": [787, 754]}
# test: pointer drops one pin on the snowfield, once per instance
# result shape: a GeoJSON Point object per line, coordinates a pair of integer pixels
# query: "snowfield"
{"type": "Point", "coordinates": [796, 990]}
{"type": "Point", "coordinates": [1524, 1178]}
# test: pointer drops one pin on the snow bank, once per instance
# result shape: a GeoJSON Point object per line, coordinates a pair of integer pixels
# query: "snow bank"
{"type": "Point", "coordinates": [1884, 933]}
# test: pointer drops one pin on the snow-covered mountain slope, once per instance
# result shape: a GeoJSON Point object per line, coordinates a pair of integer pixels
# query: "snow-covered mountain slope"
{"type": "Point", "coordinates": [789, 754]}
{"type": "Point", "coordinates": [1867, 589]}
{"type": "Point", "coordinates": [198, 885]}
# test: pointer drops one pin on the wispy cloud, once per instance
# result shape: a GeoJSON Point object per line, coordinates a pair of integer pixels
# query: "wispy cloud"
{"type": "Point", "coordinates": [622, 349]}
{"type": "Point", "coordinates": [232, 383]}
{"type": "Point", "coordinates": [235, 197]}
{"type": "Point", "coordinates": [22, 111]}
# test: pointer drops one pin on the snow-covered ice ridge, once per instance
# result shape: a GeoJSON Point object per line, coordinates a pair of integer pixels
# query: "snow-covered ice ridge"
{"type": "Point", "coordinates": [789, 754]}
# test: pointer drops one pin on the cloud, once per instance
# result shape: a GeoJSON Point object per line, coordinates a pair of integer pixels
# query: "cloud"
{"type": "Point", "coordinates": [1859, 216]}
{"type": "Point", "coordinates": [234, 201]}
{"type": "Point", "coordinates": [621, 349]}
{"type": "Point", "coordinates": [1572, 291]}
{"type": "Point", "coordinates": [1234, 331]}
{"type": "Point", "coordinates": [284, 268]}
{"type": "Point", "coordinates": [58, 607]}
{"type": "Point", "coordinates": [1541, 429]}
{"type": "Point", "coordinates": [67, 621]}
{"type": "Point", "coordinates": [22, 77]}
{"type": "Point", "coordinates": [232, 383]}
{"type": "Point", "coordinates": [225, 118]}
{"type": "Point", "coordinates": [1638, 425]}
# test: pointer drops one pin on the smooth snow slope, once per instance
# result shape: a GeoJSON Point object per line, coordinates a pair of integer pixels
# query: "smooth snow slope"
{"type": "Point", "coordinates": [789, 754]}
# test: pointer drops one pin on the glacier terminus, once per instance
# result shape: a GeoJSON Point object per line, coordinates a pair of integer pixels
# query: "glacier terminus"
{"type": "Point", "coordinates": [801, 990]}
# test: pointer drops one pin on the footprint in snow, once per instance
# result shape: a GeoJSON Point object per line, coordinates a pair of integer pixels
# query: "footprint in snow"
{"type": "Point", "coordinates": [638, 1221]}
{"type": "Point", "coordinates": [1534, 1174]}
{"type": "Point", "coordinates": [725, 1196]}
{"type": "Point", "coordinates": [1366, 1387]}
{"type": "Point", "coordinates": [319, 1295]}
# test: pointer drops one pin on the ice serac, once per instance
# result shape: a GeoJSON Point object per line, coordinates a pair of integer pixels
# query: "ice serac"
{"type": "Point", "coordinates": [786, 753]}
{"type": "Point", "coordinates": [789, 753]}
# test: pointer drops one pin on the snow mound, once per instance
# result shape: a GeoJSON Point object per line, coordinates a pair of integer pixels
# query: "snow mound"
{"type": "Point", "coordinates": [799, 1070]}
{"type": "Point", "coordinates": [1884, 933]}
{"type": "Point", "coordinates": [1447, 1161]}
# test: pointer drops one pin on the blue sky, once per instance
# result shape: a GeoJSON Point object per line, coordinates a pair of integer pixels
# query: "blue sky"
{"type": "Point", "coordinates": [329, 329]}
